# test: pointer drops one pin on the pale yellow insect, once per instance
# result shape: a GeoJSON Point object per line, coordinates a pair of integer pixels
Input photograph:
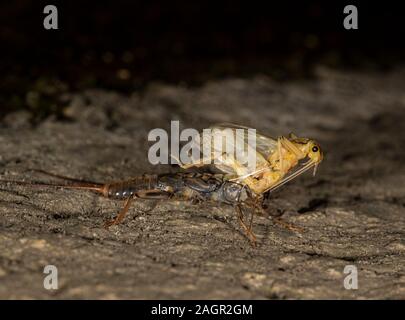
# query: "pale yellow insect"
{"type": "Point", "coordinates": [277, 160]}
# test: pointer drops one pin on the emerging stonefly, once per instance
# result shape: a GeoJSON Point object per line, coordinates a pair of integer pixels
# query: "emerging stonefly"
{"type": "Point", "coordinates": [277, 162]}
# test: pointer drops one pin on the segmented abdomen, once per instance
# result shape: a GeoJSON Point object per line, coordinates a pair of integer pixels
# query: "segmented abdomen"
{"type": "Point", "coordinates": [125, 189]}
{"type": "Point", "coordinates": [180, 186]}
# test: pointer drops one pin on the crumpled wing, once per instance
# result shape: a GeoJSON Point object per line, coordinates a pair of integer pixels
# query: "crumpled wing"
{"type": "Point", "coordinates": [265, 146]}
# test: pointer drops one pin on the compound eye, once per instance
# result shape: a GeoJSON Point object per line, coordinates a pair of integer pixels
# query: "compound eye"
{"type": "Point", "coordinates": [315, 149]}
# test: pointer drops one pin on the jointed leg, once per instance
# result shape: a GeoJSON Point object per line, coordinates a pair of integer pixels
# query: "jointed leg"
{"type": "Point", "coordinates": [121, 215]}
{"type": "Point", "coordinates": [251, 220]}
{"type": "Point", "coordinates": [287, 225]}
{"type": "Point", "coordinates": [147, 194]}
{"type": "Point", "coordinates": [287, 144]}
{"type": "Point", "coordinates": [280, 221]}
{"type": "Point", "coordinates": [249, 233]}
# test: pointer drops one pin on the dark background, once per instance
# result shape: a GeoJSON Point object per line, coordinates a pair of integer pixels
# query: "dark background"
{"type": "Point", "coordinates": [124, 45]}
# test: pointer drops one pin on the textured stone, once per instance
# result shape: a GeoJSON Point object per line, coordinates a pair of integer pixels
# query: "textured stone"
{"type": "Point", "coordinates": [352, 212]}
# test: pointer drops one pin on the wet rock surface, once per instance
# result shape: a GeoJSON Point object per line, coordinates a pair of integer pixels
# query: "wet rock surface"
{"type": "Point", "coordinates": [352, 211]}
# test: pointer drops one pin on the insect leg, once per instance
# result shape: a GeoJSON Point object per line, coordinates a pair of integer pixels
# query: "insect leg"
{"type": "Point", "coordinates": [251, 220]}
{"type": "Point", "coordinates": [251, 236]}
{"type": "Point", "coordinates": [153, 194]}
{"type": "Point", "coordinates": [288, 226]}
{"type": "Point", "coordinates": [279, 220]}
{"type": "Point", "coordinates": [142, 194]}
{"type": "Point", "coordinates": [121, 215]}
{"type": "Point", "coordinates": [291, 147]}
